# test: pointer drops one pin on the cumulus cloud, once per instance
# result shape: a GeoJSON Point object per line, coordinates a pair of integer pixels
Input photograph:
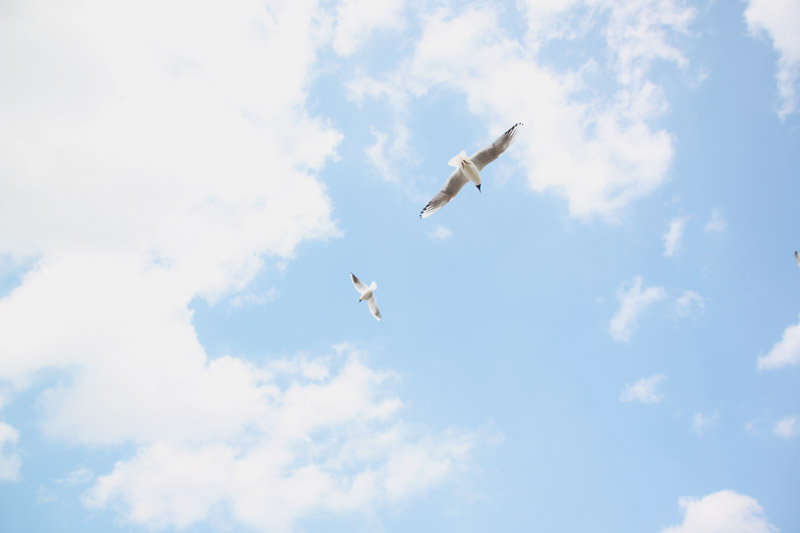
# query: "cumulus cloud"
{"type": "Point", "coordinates": [672, 238]}
{"type": "Point", "coordinates": [9, 460]}
{"type": "Point", "coordinates": [599, 151]}
{"type": "Point", "coordinates": [785, 352]}
{"type": "Point", "coordinates": [644, 390]}
{"type": "Point", "coordinates": [787, 427]}
{"type": "Point", "coordinates": [324, 441]}
{"type": "Point", "coordinates": [144, 168]}
{"type": "Point", "coordinates": [778, 21]}
{"type": "Point", "coordinates": [717, 222]}
{"type": "Point", "coordinates": [633, 300]}
{"type": "Point", "coordinates": [724, 511]}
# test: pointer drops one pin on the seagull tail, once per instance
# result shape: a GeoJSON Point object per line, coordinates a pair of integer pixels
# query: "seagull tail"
{"type": "Point", "coordinates": [373, 287]}
{"type": "Point", "coordinates": [456, 161]}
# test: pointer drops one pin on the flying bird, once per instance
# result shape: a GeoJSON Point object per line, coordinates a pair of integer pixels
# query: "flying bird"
{"type": "Point", "coordinates": [469, 169]}
{"type": "Point", "coordinates": [797, 257]}
{"type": "Point", "coordinates": [367, 294]}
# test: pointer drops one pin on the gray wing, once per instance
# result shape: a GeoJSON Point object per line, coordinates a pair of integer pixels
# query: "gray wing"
{"type": "Point", "coordinates": [451, 187]}
{"type": "Point", "coordinates": [487, 154]}
{"type": "Point", "coordinates": [360, 287]}
{"type": "Point", "coordinates": [373, 307]}
{"type": "Point", "coordinates": [797, 257]}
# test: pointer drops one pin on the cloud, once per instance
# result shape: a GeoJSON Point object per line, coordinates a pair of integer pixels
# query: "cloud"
{"type": "Point", "coordinates": [672, 238]}
{"type": "Point", "coordinates": [787, 427]}
{"type": "Point", "coordinates": [644, 390]}
{"type": "Point", "coordinates": [785, 352]}
{"type": "Point", "coordinates": [9, 461]}
{"type": "Point", "coordinates": [633, 301]}
{"type": "Point", "coordinates": [441, 233]}
{"type": "Point", "coordinates": [778, 20]}
{"type": "Point", "coordinates": [149, 162]}
{"type": "Point", "coordinates": [249, 298]}
{"type": "Point", "coordinates": [700, 421]}
{"type": "Point", "coordinates": [357, 19]}
{"type": "Point", "coordinates": [331, 443]}
{"type": "Point", "coordinates": [689, 303]}
{"type": "Point", "coordinates": [597, 150]}
{"type": "Point", "coordinates": [724, 511]}
{"type": "Point", "coordinates": [717, 222]}
{"type": "Point", "coordinates": [77, 477]}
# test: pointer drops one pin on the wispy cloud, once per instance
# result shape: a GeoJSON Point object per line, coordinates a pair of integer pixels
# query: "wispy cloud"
{"type": "Point", "coordinates": [726, 511]}
{"type": "Point", "coordinates": [787, 427]}
{"type": "Point", "coordinates": [717, 223]}
{"type": "Point", "coordinates": [778, 20]}
{"type": "Point", "coordinates": [673, 236]}
{"type": "Point", "coordinates": [644, 390]}
{"type": "Point", "coordinates": [633, 299]}
{"type": "Point", "coordinates": [689, 303]}
{"type": "Point", "coordinates": [701, 421]}
{"type": "Point", "coordinates": [441, 233]}
{"type": "Point", "coordinates": [9, 460]}
{"type": "Point", "coordinates": [785, 352]}
{"type": "Point", "coordinates": [249, 298]}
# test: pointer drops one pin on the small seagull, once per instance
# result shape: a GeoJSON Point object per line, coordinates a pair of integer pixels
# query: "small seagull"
{"type": "Point", "coordinates": [797, 257]}
{"type": "Point", "coordinates": [469, 169]}
{"type": "Point", "coordinates": [367, 294]}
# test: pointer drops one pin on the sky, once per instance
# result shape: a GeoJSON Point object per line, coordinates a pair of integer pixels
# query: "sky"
{"type": "Point", "coordinates": [605, 338]}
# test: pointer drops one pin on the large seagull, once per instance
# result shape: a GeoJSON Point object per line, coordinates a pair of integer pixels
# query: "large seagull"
{"type": "Point", "coordinates": [469, 169]}
{"type": "Point", "coordinates": [367, 294]}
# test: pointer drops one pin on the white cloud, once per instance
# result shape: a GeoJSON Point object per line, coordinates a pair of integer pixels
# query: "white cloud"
{"type": "Point", "coordinates": [787, 427]}
{"type": "Point", "coordinates": [248, 298]}
{"type": "Point", "coordinates": [357, 19]}
{"type": "Point", "coordinates": [633, 301]}
{"type": "Point", "coordinates": [717, 222]}
{"type": "Point", "coordinates": [672, 238]}
{"type": "Point", "coordinates": [700, 421]}
{"type": "Point", "coordinates": [785, 352]}
{"type": "Point", "coordinates": [441, 233]}
{"type": "Point", "coordinates": [77, 477]}
{"type": "Point", "coordinates": [599, 151]}
{"type": "Point", "coordinates": [179, 160]}
{"type": "Point", "coordinates": [9, 461]}
{"type": "Point", "coordinates": [779, 20]}
{"type": "Point", "coordinates": [644, 390]}
{"type": "Point", "coordinates": [329, 444]}
{"type": "Point", "coordinates": [725, 511]}
{"type": "Point", "coordinates": [689, 303]}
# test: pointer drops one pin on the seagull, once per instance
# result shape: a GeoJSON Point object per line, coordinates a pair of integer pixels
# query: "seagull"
{"type": "Point", "coordinates": [469, 169]}
{"type": "Point", "coordinates": [797, 257]}
{"type": "Point", "coordinates": [367, 294]}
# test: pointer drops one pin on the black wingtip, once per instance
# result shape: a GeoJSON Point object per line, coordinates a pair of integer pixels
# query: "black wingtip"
{"type": "Point", "coordinates": [479, 188]}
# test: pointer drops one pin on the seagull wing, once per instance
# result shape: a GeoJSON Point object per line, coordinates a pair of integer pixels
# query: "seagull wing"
{"type": "Point", "coordinates": [373, 307]}
{"type": "Point", "coordinates": [797, 257]}
{"type": "Point", "coordinates": [451, 187]}
{"type": "Point", "coordinates": [360, 287]}
{"type": "Point", "coordinates": [487, 154]}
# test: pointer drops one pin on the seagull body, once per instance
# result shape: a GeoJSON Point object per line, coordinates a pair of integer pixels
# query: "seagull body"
{"type": "Point", "coordinates": [469, 169]}
{"type": "Point", "coordinates": [366, 294]}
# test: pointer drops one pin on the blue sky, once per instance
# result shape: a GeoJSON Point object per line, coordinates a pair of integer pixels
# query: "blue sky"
{"type": "Point", "coordinates": [606, 338]}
